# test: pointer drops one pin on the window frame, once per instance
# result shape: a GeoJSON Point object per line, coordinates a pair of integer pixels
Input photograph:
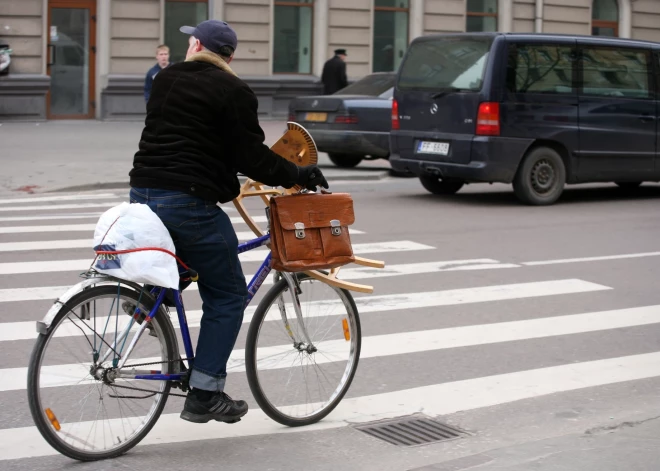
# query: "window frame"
{"type": "Point", "coordinates": [598, 23]}
{"type": "Point", "coordinates": [480, 14]}
{"type": "Point", "coordinates": [650, 68]}
{"type": "Point", "coordinates": [513, 48]}
{"type": "Point", "coordinates": [288, 3]}
{"type": "Point", "coordinates": [405, 10]}
{"type": "Point", "coordinates": [163, 39]}
{"type": "Point", "coordinates": [605, 24]}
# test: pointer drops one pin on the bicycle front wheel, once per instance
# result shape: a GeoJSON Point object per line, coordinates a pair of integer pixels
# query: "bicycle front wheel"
{"type": "Point", "coordinates": [82, 405]}
{"type": "Point", "coordinates": [300, 369]}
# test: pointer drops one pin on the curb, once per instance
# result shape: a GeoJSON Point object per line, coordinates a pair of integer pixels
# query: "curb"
{"type": "Point", "coordinates": [373, 176]}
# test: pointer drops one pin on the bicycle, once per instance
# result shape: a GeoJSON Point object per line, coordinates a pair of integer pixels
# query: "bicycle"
{"type": "Point", "coordinates": [108, 373]}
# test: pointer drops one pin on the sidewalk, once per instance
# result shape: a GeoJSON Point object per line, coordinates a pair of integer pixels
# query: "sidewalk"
{"type": "Point", "coordinates": [87, 155]}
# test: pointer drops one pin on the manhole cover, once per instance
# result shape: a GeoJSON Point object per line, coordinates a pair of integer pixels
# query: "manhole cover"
{"type": "Point", "coordinates": [411, 431]}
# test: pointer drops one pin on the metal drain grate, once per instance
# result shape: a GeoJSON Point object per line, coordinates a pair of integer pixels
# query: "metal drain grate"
{"type": "Point", "coordinates": [412, 431]}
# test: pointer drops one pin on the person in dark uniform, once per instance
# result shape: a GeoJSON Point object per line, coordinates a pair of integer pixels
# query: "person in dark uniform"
{"type": "Point", "coordinates": [334, 73]}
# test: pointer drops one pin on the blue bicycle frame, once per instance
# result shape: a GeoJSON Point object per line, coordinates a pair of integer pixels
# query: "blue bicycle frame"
{"type": "Point", "coordinates": [254, 285]}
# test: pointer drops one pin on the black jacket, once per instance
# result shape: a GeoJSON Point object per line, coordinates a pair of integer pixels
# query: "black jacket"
{"type": "Point", "coordinates": [201, 129]}
{"type": "Point", "coordinates": [334, 75]}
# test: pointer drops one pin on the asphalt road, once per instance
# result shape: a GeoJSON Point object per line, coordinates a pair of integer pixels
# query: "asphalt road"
{"type": "Point", "coordinates": [535, 330]}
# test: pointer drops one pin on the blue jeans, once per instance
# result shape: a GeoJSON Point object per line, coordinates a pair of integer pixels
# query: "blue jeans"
{"type": "Point", "coordinates": [205, 240]}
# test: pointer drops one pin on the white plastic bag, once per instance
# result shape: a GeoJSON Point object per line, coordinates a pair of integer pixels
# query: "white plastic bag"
{"type": "Point", "coordinates": [131, 226]}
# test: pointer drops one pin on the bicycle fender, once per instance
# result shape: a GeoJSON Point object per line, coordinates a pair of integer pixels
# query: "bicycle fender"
{"type": "Point", "coordinates": [43, 326]}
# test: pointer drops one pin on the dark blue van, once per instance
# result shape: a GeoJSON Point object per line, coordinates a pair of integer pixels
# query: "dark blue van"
{"type": "Point", "coordinates": [535, 110]}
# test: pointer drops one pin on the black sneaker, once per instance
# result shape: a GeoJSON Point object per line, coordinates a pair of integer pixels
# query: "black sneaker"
{"type": "Point", "coordinates": [202, 406]}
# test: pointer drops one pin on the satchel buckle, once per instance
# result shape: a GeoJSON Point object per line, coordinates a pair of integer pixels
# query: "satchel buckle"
{"type": "Point", "coordinates": [335, 227]}
{"type": "Point", "coordinates": [300, 230]}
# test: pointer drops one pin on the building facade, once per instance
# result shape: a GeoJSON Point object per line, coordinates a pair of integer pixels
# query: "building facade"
{"type": "Point", "coordinates": [87, 59]}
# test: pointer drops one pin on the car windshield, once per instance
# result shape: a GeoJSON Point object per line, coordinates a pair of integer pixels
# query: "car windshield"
{"type": "Point", "coordinates": [372, 85]}
{"type": "Point", "coordinates": [447, 63]}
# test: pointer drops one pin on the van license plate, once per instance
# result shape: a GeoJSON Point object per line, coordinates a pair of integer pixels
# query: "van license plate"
{"type": "Point", "coordinates": [425, 147]}
{"type": "Point", "coordinates": [318, 117]}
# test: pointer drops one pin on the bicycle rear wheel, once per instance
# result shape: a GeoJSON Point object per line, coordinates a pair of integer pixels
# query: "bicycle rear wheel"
{"type": "Point", "coordinates": [72, 366]}
{"type": "Point", "coordinates": [299, 371]}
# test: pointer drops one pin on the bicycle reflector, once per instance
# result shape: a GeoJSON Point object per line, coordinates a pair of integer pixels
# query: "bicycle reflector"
{"type": "Point", "coordinates": [53, 420]}
{"type": "Point", "coordinates": [347, 332]}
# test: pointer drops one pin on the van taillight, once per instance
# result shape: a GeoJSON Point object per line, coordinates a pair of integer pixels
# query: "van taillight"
{"type": "Point", "coordinates": [488, 119]}
{"type": "Point", "coordinates": [395, 115]}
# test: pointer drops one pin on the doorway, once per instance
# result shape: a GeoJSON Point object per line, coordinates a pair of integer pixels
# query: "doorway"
{"type": "Point", "coordinates": [71, 59]}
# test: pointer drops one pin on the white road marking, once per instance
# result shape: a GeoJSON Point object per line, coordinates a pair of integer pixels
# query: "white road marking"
{"type": "Point", "coordinates": [279, 356]}
{"type": "Point", "coordinates": [592, 259]}
{"type": "Point", "coordinates": [367, 304]}
{"type": "Point", "coordinates": [77, 206]}
{"type": "Point", "coordinates": [257, 255]}
{"type": "Point", "coordinates": [60, 206]}
{"type": "Point", "coordinates": [40, 199]}
{"type": "Point", "coordinates": [52, 292]}
{"type": "Point", "coordinates": [434, 400]}
{"type": "Point", "coordinates": [88, 243]}
{"type": "Point", "coordinates": [46, 217]}
{"type": "Point", "coordinates": [91, 227]}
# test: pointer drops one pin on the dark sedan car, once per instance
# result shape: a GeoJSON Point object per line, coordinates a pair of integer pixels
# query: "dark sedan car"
{"type": "Point", "coordinates": [352, 124]}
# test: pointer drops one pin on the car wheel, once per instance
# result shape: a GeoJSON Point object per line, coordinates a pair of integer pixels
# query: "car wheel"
{"type": "Point", "coordinates": [628, 185]}
{"type": "Point", "coordinates": [438, 186]}
{"type": "Point", "coordinates": [540, 178]}
{"type": "Point", "coordinates": [345, 160]}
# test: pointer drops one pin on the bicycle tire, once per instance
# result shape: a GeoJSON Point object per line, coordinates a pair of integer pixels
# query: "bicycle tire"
{"type": "Point", "coordinates": [251, 355]}
{"type": "Point", "coordinates": [161, 322]}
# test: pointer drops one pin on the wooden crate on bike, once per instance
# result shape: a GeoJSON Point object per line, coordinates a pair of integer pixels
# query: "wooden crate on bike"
{"type": "Point", "coordinates": [309, 231]}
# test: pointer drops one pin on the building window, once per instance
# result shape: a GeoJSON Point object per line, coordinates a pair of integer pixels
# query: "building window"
{"type": "Point", "coordinates": [605, 18]}
{"type": "Point", "coordinates": [390, 34]}
{"type": "Point", "coordinates": [481, 16]}
{"type": "Point", "coordinates": [180, 13]}
{"type": "Point", "coordinates": [292, 44]}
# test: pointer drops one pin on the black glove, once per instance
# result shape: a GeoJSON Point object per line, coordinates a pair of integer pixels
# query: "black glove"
{"type": "Point", "coordinates": [310, 177]}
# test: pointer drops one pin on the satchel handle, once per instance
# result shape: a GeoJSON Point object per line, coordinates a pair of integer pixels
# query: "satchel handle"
{"type": "Point", "coordinates": [319, 189]}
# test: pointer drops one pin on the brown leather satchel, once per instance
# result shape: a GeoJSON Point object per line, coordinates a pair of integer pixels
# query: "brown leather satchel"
{"type": "Point", "coordinates": [309, 231]}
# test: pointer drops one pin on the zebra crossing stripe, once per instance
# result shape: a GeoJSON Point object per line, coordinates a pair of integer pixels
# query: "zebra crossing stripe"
{"type": "Point", "coordinates": [370, 304]}
{"type": "Point", "coordinates": [57, 207]}
{"type": "Point", "coordinates": [17, 268]}
{"type": "Point", "coordinates": [361, 273]}
{"type": "Point", "coordinates": [274, 357]}
{"type": "Point", "coordinates": [42, 199]}
{"type": "Point", "coordinates": [435, 400]}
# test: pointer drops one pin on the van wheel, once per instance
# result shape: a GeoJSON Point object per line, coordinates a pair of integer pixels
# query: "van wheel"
{"type": "Point", "coordinates": [628, 185]}
{"type": "Point", "coordinates": [345, 160]}
{"type": "Point", "coordinates": [441, 187]}
{"type": "Point", "coordinates": [540, 178]}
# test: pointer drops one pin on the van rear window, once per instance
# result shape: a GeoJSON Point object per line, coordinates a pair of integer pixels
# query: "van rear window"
{"type": "Point", "coordinates": [445, 63]}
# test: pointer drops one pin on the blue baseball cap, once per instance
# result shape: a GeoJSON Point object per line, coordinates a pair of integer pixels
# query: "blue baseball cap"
{"type": "Point", "coordinates": [213, 34]}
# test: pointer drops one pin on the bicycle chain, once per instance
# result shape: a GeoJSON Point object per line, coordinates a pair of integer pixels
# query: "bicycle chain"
{"type": "Point", "coordinates": [152, 393]}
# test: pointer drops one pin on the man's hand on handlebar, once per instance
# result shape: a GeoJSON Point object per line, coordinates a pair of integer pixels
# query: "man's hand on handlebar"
{"type": "Point", "coordinates": [310, 177]}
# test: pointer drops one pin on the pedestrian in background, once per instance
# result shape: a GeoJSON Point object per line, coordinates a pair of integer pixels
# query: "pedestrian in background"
{"type": "Point", "coordinates": [334, 73]}
{"type": "Point", "coordinates": [163, 60]}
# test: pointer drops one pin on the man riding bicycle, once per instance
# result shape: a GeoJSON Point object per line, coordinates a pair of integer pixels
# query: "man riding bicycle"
{"type": "Point", "coordinates": [201, 129]}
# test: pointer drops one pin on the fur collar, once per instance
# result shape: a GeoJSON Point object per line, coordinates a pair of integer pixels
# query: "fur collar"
{"type": "Point", "coordinates": [211, 58]}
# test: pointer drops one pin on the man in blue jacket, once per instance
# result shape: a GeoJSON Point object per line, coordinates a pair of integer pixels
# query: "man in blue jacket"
{"type": "Point", "coordinates": [163, 58]}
